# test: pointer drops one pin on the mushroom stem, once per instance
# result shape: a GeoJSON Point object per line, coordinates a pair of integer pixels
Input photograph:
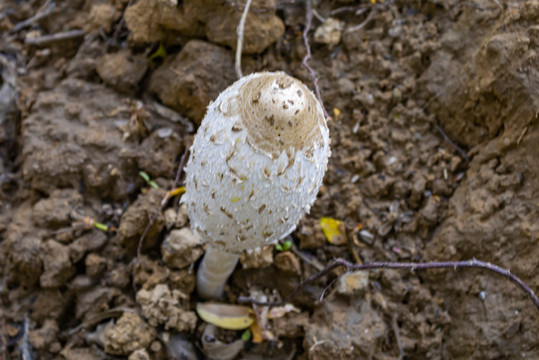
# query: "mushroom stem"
{"type": "Point", "coordinates": [214, 271]}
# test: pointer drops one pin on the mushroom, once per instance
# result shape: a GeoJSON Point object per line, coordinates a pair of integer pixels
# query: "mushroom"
{"type": "Point", "coordinates": [256, 164]}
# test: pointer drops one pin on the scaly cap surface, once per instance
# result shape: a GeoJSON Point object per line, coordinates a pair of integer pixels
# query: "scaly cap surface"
{"type": "Point", "coordinates": [257, 162]}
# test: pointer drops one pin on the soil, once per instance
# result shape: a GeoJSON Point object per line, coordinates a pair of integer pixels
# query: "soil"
{"type": "Point", "coordinates": [435, 148]}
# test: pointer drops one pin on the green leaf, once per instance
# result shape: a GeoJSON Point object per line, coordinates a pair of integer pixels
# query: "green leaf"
{"type": "Point", "coordinates": [287, 245]}
{"type": "Point", "coordinates": [246, 335]}
{"type": "Point", "coordinates": [160, 53]}
{"type": "Point", "coordinates": [144, 175]}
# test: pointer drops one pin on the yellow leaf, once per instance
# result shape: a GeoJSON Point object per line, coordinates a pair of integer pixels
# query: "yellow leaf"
{"type": "Point", "coordinates": [257, 333]}
{"type": "Point", "coordinates": [178, 191]}
{"type": "Point", "coordinates": [230, 317]}
{"type": "Point", "coordinates": [336, 113]}
{"type": "Point", "coordinates": [333, 230]}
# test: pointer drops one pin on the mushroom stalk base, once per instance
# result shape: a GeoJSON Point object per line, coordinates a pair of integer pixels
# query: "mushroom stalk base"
{"type": "Point", "coordinates": [214, 271]}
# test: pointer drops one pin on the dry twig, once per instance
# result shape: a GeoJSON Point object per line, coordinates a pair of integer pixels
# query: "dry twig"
{"type": "Point", "coordinates": [396, 331]}
{"type": "Point", "coordinates": [365, 22]}
{"type": "Point", "coordinates": [25, 345]}
{"type": "Point", "coordinates": [48, 39]}
{"type": "Point", "coordinates": [47, 9]}
{"type": "Point", "coordinates": [156, 214]}
{"type": "Point", "coordinates": [311, 261]}
{"type": "Point", "coordinates": [455, 146]}
{"type": "Point", "coordinates": [314, 77]}
{"type": "Point", "coordinates": [336, 263]}
{"type": "Point", "coordinates": [239, 32]}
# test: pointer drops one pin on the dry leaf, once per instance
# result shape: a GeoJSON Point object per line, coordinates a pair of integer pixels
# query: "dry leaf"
{"type": "Point", "coordinates": [230, 317]}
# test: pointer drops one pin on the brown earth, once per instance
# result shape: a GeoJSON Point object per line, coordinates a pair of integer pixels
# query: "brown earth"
{"type": "Point", "coordinates": [435, 156]}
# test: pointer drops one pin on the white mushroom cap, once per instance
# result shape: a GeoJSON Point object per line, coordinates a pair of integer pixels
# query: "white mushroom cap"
{"type": "Point", "coordinates": [257, 162]}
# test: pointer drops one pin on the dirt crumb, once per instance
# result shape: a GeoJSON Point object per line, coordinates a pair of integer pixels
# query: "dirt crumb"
{"type": "Point", "coordinates": [181, 248]}
{"type": "Point", "coordinates": [434, 138]}
{"type": "Point", "coordinates": [95, 265]}
{"type": "Point", "coordinates": [353, 283]}
{"type": "Point", "coordinates": [195, 76]}
{"type": "Point", "coordinates": [55, 211]}
{"type": "Point", "coordinates": [329, 32]}
{"type": "Point", "coordinates": [288, 263]}
{"type": "Point", "coordinates": [257, 259]}
{"type": "Point", "coordinates": [94, 300]}
{"type": "Point", "coordinates": [151, 21]}
{"type": "Point", "coordinates": [291, 325]}
{"type": "Point", "coordinates": [262, 27]}
{"type": "Point", "coordinates": [140, 354]}
{"type": "Point", "coordinates": [161, 306]}
{"type": "Point", "coordinates": [310, 234]}
{"type": "Point", "coordinates": [26, 259]}
{"type": "Point", "coordinates": [101, 16]}
{"type": "Point", "coordinates": [69, 353]}
{"type": "Point", "coordinates": [90, 241]}
{"type": "Point", "coordinates": [44, 338]}
{"type": "Point", "coordinates": [57, 265]}
{"type": "Point", "coordinates": [135, 219]}
{"type": "Point", "coordinates": [130, 333]}
{"type": "Point", "coordinates": [343, 333]}
{"type": "Point", "coordinates": [122, 70]}
{"type": "Point", "coordinates": [176, 218]}
{"type": "Point", "coordinates": [49, 305]}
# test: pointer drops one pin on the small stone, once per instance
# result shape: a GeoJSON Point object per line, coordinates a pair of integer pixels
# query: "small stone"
{"type": "Point", "coordinates": [95, 265]}
{"type": "Point", "coordinates": [170, 218]}
{"type": "Point", "coordinates": [288, 263]}
{"type": "Point", "coordinates": [329, 32]}
{"type": "Point", "coordinates": [353, 283]}
{"type": "Point", "coordinates": [176, 218]}
{"type": "Point", "coordinates": [101, 16]}
{"type": "Point", "coordinates": [440, 187]}
{"type": "Point", "coordinates": [181, 248]}
{"type": "Point", "coordinates": [140, 354]}
{"type": "Point", "coordinates": [130, 333]}
{"type": "Point", "coordinates": [71, 353]}
{"type": "Point", "coordinates": [42, 338]}
{"type": "Point", "coordinates": [310, 234]}
{"type": "Point", "coordinates": [395, 31]}
{"type": "Point", "coordinates": [430, 212]}
{"type": "Point", "coordinates": [346, 86]}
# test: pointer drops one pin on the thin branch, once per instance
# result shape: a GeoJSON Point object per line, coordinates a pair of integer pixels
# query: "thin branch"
{"type": "Point", "coordinates": [120, 24]}
{"type": "Point", "coordinates": [365, 22]}
{"type": "Point", "coordinates": [156, 214]}
{"type": "Point", "coordinates": [25, 346]}
{"type": "Point", "coordinates": [47, 9]}
{"type": "Point", "coordinates": [239, 32]}
{"type": "Point", "coordinates": [48, 39]}
{"type": "Point", "coordinates": [314, 77]}
{"type": "Point", "coordinates": [396, 331]}
{"type": "Point", "coordinates": [455, 146]}
{"type": "Point", "coordinates": [474, 263]}
{"type": "Point", "coordinates": [311, 261]}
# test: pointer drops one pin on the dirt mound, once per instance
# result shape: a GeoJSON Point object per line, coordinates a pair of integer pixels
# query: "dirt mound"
{"type": "Point", "coordinates": [435, 141]}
